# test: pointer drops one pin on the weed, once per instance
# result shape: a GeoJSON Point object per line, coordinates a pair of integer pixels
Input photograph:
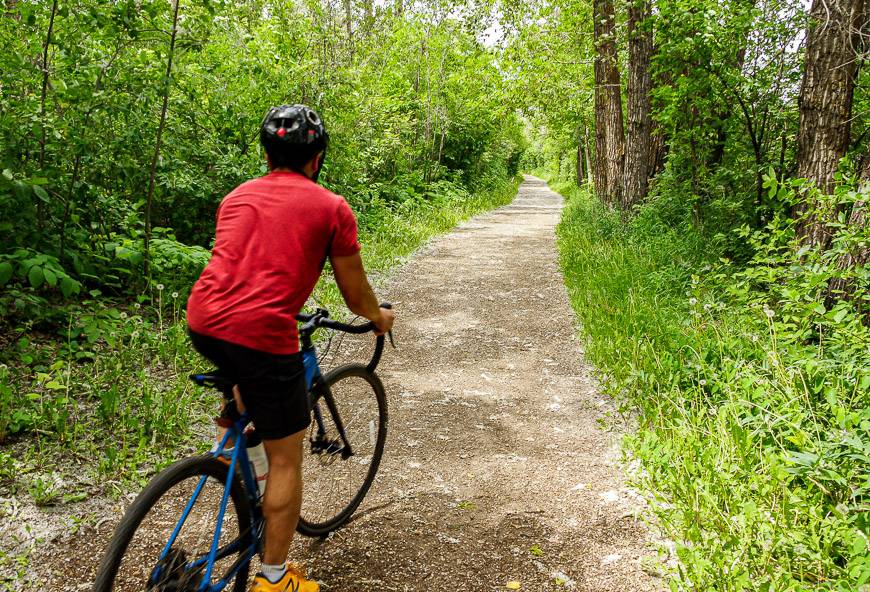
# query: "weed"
{"type": "Point", "coordinates": [753, 392]}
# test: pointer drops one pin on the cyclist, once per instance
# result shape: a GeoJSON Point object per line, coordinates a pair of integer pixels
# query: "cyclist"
{"type": "Point", "coordinates": [273, 237]}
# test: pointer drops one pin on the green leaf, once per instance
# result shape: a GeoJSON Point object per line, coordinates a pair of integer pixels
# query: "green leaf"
{"type": "Point", "coordinates": [40, 193]}
{"type": "Point", "coordinates": [35, 276]}
{"type": "Point", "coordinates": [68, 287]}
{"type": "Point", "coordinates": [5, 272]}
{"type": "Point", "coordinates": [50, 277]}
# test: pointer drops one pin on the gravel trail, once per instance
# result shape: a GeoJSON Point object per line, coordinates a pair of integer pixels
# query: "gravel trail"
{"type": "Point", "coordinates": [496, 468]}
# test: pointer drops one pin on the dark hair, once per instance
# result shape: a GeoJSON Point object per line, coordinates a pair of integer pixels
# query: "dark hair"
{"type": "Point", "coordinates": [282, 156]}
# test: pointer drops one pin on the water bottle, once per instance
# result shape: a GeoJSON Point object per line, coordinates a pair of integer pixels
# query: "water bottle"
{"type": "Point", "coordinates": [258, 458]}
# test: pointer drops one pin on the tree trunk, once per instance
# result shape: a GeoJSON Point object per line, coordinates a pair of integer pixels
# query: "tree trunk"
{"type": "Point", "coordinates": [639, 103]}
{"type": "Point", "coordinates": [841, 287]}
{"type": "Point", "coordinates": [826, 104]}
{"type": "Point", "coordinates": [658, 142]}
{"type": "Point", "coordinates": [40, 207]}
{"type": "Point", "coordinates": [609, 134]}
{"type": "Point", "coordinates": [586, 155]}
{"type": "Point", "coordinates": [166, 86]}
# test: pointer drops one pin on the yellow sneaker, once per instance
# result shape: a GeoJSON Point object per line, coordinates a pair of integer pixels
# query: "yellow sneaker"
{"type": "Point", "coordinates": [293, 581]}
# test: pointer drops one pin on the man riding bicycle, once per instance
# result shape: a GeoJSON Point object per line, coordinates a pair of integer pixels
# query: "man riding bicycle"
{"type": "Point", "coordinates": [273, 237]}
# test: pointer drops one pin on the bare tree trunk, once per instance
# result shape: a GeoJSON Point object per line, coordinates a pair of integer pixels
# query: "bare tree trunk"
{"type": "Point", "coordinates": [166, 87]}
{"type": "Point", "coordinates": [587, 156]}
{"type": "Point", "coordinates": [580, 169]}
{"type": "Point", "coordinates": [639, 103]}
{"type": "Point", "coordinates": [826, 104]}
{"type": "Point", "coordinates": [609, 135]}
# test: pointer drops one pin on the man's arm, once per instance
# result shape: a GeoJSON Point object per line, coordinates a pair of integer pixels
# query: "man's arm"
{"type": "Point", "coordinates": [350, 275]}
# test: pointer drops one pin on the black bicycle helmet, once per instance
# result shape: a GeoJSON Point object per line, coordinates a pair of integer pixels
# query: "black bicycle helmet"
{"type": "Point", "coordinates": [292, 135]}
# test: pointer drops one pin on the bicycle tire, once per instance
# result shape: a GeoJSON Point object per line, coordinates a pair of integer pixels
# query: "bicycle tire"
{"type": "Point", "coordinates": [366, 390]}
{"type": "Point", "coordinates": [183, 472]}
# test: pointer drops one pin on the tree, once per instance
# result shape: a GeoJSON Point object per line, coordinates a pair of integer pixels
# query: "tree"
{"type": "Point", "coordinates": [825, 103]}
{"type": "Point", "coordinates": [167, 85]}
{"type": "Point", "coordinates": [639, 149]}
{"type": "Point", "coordinates": [609, 134]}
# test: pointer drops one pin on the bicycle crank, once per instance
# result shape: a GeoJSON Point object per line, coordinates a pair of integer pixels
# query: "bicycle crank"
{"type": "Point", "coordinates": [171, 574]}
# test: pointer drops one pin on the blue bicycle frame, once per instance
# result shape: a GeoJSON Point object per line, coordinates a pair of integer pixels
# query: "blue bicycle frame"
{"type": "Point", "coordinates": [237, 456]}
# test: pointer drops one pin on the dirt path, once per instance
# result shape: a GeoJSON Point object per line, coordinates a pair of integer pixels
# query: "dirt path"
{"type": "Point", "coordinates": [496, 467]}
{"type": "Point", "coordinates": [495, 447]}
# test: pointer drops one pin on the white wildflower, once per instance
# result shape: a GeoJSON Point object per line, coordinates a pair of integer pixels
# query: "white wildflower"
{"type": "Point", "coordinates": [160, 287]}
{"type": "Point", "coordinates": [770, 314]}
{"type": "Point", "coordinates": [702, 382]}
{"type": "Point", "coordinates": [693, 301]}
{"type": "Point", "coordinates": [175, 294]}
{"type": "Point", "coordinates": [123, 315]}
{"type": "Point", "coordinates": [137, 306]}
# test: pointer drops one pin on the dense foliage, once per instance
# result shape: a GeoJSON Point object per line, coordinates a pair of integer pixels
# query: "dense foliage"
{"type": "Point", "coordinates": [122, 126]}
{"type": "Point", "coordinates": [752, 394]}
{"type": "Point", "coordinates": [729, 307]}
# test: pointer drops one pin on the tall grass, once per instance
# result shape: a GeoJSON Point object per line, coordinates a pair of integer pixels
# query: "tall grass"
{"type": "Point", "coordinates": [751, 389]}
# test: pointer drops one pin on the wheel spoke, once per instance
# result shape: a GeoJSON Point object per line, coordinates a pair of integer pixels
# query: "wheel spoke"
{"type": "Point", "coordinates": [334, 485]}
{"type": "Point", "coordinates": [155, 515]}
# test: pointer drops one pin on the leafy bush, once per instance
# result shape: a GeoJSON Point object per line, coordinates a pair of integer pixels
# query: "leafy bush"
{"type": "Point", "coordinates": [752, 383]}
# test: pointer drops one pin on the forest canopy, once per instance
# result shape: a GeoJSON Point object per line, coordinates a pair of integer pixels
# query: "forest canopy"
{"type": "Point", "coordinates": [123, 124]}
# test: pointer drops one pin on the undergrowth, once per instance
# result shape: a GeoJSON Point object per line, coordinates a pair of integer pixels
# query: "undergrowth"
{"type": "Point", "coordinates": [751, 384]}
{"type": "Point", "coordinates": [102, 402]}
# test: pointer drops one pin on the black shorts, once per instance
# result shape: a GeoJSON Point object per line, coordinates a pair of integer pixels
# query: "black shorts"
{"type": "Point", "coordinates": [272, 385]}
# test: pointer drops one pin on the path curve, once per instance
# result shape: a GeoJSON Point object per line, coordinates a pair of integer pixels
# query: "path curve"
{"type": "Point", "coordinates": [496, 467]}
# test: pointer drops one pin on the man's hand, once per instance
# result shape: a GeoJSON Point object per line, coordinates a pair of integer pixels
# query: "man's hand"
{"type": "Point", "coordinates": [385, 323]}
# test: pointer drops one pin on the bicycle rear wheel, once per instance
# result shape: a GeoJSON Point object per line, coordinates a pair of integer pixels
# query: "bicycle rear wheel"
{"type": "Point", "coordinates": [133, 554]}
{"type": "Point", "coordinates": [335, 482]}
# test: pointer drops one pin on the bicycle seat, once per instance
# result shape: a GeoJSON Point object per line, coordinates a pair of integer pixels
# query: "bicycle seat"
{"type": "Point", "coordinates": [214, 380]}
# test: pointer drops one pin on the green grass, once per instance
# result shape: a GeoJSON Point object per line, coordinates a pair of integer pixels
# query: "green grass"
{"type": "Point", "coordinates": [103, 407]}
{"type": "Point", "coordinates": [751, 394]}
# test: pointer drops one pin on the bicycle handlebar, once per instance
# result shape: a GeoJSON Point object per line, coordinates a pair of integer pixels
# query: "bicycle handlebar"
{"type": "Point", "coordinates": [320, 319]}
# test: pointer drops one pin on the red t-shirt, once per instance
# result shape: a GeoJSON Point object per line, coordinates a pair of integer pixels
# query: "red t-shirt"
{"type": "Point", "coordinates": [273, 237]}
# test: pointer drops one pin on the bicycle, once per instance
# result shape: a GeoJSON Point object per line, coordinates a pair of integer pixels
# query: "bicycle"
{"type": "Point", "coordinates": [211, 544]}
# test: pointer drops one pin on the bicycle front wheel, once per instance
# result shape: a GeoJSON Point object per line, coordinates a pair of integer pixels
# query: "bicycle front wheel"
{"type": "Point", "coordinates": [337, 471]}
{"type": "Point", "coordinates": [132, 561]}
